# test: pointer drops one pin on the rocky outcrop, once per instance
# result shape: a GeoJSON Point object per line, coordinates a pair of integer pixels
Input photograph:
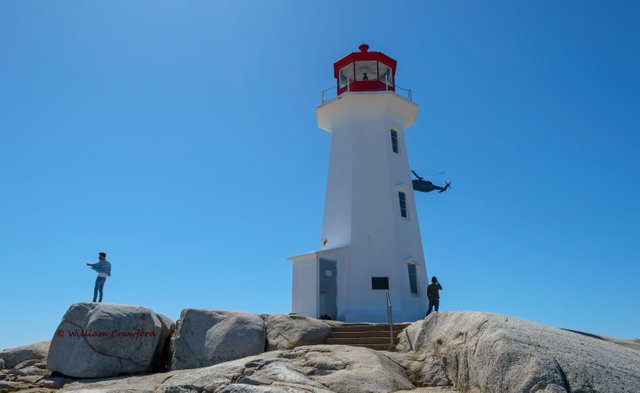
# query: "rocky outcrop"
{"type": "Point", "coordinates": [29, 374]}
{"type": "Point", "coordinates": [207, 337]}
{"type": "Point", "coordinates": [319, 368]}
{"type": "Point", "coordinates": [446, 352]}
{"type": "Point", "coordinates": [316, 369]}
{"type": "Point", "coordinates": [102, 340]}
{"type": "Point", "coordinates": [496, 353]}
{"type": "Point", "coordinates": [287, 331]}
{"type": "Point", "coordinates": [9, 358]}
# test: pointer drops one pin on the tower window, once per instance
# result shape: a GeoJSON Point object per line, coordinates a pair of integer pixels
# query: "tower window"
{"type": "Point", "coordinates": [394, 141]}
{"type": "Point", "coordinates": [403, 203]}
{"type": "Point", "coordinates": [413, 283]}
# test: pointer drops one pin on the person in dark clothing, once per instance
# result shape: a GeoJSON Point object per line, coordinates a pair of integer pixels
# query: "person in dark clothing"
{"type": "Point", "coordinates": [103, 267]}
{"type": "Point", "coordinates": [433, 294]}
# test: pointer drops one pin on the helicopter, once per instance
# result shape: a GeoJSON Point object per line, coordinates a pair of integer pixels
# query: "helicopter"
{"type": "Point", "coordinates": [422, 185]}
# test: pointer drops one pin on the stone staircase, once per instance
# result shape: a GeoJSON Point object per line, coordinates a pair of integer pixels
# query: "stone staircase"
{"type": "Point", "coordinates": [373, 336]}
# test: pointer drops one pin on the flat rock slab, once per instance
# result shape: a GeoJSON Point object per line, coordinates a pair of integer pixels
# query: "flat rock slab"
{"type": "Point", "coordinates": [208, 337]}
{"type": "Point", "coordinates": [318, 368]}
{"type": "Point", "coordinates": [130, 384]}
{"type": "Point", "coordinates": [102, 340]}
{"type": "Point", "coordinates": [497, 353]}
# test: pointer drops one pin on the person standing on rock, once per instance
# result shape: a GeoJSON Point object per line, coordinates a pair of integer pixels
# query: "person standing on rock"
{"type": "Point", "coordinates": [433, 294]}
{"type": "Point", "coordinates": [103, 267]}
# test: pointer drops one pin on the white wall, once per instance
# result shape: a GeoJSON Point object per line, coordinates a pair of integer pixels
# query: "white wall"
{"type": "Point", "coordinates": [304, 298]}
{"type": "Point", "coordinates": [362, 208]}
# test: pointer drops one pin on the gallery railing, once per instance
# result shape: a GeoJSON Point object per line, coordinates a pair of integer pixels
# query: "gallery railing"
{"type": "Point", "coordinates": [330, 93]}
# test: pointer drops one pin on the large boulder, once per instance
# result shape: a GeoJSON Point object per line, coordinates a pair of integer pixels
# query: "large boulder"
{"type": "Point", "coordinates": [102, 340]}
{"type": "Point", "coordinates": [11, 357]}
{"type": "Point", "coordinates": [495, 353]}
{"type": "Point", "coordinates": [207, 337]}
{"type": "Point", "coordinates": [318, 369]}
{"type": "Point", "coordinates": [294, 330]}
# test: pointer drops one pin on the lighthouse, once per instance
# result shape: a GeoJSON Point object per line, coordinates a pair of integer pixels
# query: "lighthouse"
{"type": "Point", "coordinates": [370, 259]}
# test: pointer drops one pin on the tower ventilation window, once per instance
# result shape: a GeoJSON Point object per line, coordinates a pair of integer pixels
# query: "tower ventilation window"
{"type": "Point", "coordinates": [403, 203]}
{"type": "Point", "coordinates": [394, 141]}
{"type": "Point", "coordinates": [413, 282]}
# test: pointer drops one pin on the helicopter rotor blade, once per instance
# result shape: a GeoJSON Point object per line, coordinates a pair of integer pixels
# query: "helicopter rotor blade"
{"type": "Point", "coordinates": [416, 175]}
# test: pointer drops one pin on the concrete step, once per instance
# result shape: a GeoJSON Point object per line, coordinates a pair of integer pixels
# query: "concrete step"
{"type": "Point", "coordinates": [368, 327]}
{"type": "Point", "coordinates": [361, 334]}
{"type": "Point", "coordinates": [376, 347]}
{"type": "Point", "coordinates": [368, 335]}
{"type": "Point", "coordinates": [360, 341]}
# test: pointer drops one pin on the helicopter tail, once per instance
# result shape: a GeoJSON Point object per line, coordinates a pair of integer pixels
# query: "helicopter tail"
{"type": "Point", "coordinates": [446, 187]}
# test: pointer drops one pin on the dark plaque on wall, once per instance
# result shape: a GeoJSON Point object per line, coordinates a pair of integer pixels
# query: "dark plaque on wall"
{"type": "Point", "coordinates": [380, 283]}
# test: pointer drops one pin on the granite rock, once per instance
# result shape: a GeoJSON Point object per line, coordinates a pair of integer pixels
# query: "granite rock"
{"type": "Point", "coordinates": [496, 353]}
{"type": "Point", "coordinates": [318, 368]}
{"type": "Point", "coordinates": [101, 340]}
{"type": "Point", "coordinates": [287, 331]}
{"type": "Point", "coordinates": [13, 356]}
{"type": "Point", "coordinates": [207, 337]}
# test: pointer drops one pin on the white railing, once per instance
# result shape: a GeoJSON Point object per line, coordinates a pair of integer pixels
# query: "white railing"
{"type": "Point", "coordinates": [406, 91]}
{"type": "Point", "coordinates": [330, 93]}
{"type": "Point", "coordinates": [328, 97]}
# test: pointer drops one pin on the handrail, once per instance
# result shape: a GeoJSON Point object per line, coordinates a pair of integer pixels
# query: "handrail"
{"type": "Point", "coordinates": [390, 319]}
{"type": "Point", "coordinates": [326, 90]}
{"type": "Point", "coordinates": [407, 92]}
{"type": "Point", "coordinates": [409, 95]}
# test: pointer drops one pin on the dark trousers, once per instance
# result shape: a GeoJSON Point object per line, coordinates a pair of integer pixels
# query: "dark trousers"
{"type": "Point", "coordinates": [98, 288]}
{"type": "Point", "coordinates": [433, 303]}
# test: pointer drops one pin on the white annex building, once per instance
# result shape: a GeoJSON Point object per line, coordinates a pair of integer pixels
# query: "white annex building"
{"type": "Point", "coordinates": [370, 235]}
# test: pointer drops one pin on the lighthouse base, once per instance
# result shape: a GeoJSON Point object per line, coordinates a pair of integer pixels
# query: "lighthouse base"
{"type": "Point", "coordinates": [326, 285]}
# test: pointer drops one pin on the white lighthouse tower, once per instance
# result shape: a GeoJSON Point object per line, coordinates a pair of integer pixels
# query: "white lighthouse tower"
{"type": "Point", "coordinates": [370, 235]}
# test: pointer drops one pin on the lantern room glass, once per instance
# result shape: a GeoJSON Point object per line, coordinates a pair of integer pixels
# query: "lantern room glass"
{"type": "Point", "coordinates": [366, 70]}
{"type": "Point", "coordinates": [346, 75]}
{"type": "Point", "coordinates": [386, 75]}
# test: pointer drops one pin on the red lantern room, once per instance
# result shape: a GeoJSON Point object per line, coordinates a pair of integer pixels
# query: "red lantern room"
{"type": "Point", "coordinates": [365, 71]}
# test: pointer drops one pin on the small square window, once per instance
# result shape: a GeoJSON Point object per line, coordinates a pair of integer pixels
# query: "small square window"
{"type": "Point", "coordinates": [403, 203]}
{"type": "Point", "coordinates": [379, 283]}
{"type": "Point", "coordinates": [394, 141]}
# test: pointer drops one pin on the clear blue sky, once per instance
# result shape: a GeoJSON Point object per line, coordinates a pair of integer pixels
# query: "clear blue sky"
{"type": "Point", "coordinates": [180, 137]}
